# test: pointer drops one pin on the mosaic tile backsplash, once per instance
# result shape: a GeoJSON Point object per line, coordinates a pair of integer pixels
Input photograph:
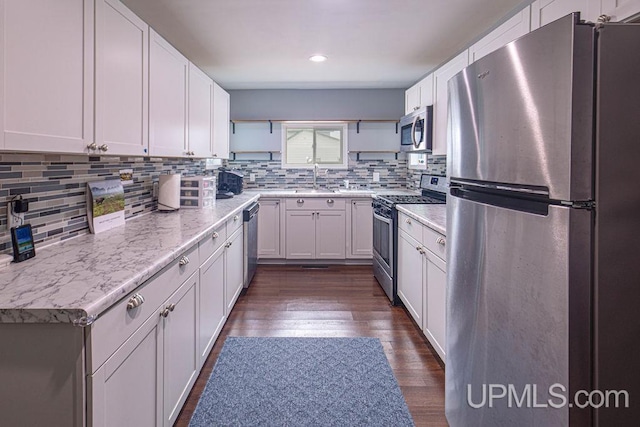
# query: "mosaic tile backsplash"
{"type": "Point", "coordinates": [269, 174]}
{"type": "Point", "coordinates": [436, 165]}
{"type": "Point", "coordinates": [55, 186]}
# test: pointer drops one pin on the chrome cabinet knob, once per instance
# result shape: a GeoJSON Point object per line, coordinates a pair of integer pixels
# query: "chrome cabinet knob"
{"type": "Point", "coordinates": [165, 312]}
{"type": "Point", "coordinates": [104, 148]}
{"type": "Point", "coordinates": [300, 201]}
{"type": "Point", "coordinates": [277, 203]}
{"type": "Point", "coordinates": [136, 300]}
{"type": "Point", "coordinates": [408, 221]}
{"type": "Point", "coordinates": [215, 155]}
{"type": "Point", "coordinates": [330, 201]}
{"type": "Point", "coordinates": [184, 260]}
{"type": "Point", "coordinates": [92, 146]}
{"type": "Point", "coordinates": [171, 307]}
{"type": "Point", "coordinates": [604, 18]}
{"type": "Point", "coordinates": [215, 235]}
{"type": "Point", "coordinates": [235, 218]}
{"type": "Point", "coordinates": [441, 241]}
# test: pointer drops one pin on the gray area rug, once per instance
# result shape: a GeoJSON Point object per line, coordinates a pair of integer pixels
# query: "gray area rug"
{"type": "Point", "coordinates": [302, 382]}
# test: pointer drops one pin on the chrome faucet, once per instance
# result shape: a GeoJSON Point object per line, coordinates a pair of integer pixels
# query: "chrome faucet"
{"type": "Point", "coordinates": [315, 176]}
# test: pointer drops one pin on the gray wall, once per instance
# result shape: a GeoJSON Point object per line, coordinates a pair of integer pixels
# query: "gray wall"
{"type": "Point", "coordinates": [317, 104]}
{"type": "Point", "coordinates": [328, 104]}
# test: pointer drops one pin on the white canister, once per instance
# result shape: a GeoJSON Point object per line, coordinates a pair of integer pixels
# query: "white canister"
{"type": "Point", "coordinates": [169, 192]}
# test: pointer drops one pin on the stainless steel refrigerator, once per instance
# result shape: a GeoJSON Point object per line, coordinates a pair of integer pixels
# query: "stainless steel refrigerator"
{"type": "Point", "coordinates": [543, 224]}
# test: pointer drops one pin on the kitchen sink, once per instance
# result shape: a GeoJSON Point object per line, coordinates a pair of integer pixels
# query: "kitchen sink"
{"type": "Point", "coordinates": [349, 190]}
{"type": "Point", "coordinates": [314, 190]}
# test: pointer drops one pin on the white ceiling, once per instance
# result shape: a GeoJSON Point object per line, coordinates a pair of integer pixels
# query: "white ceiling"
{"type": "Point", "coordinates": [265, 44]}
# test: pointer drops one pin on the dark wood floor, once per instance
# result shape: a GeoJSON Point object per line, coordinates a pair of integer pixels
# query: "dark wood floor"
{"type": "Point", "coordinates": [339, 301]}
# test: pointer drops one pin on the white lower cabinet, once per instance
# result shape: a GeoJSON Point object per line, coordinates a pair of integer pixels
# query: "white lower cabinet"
{"type": "Point", "coordinates": [234, 271]}
{"type": "Point", "coordinates": [411, 275]}
{"type": "Point", "coordinates": [211, 302]}
{"type": "Point", "coordinates": [301, 234]}
{"type": "Point", "coordinates": [269, 230]}
{"type": "Point", "coordinates": [316, 234]}
{"type": "Point", "coordinates": [180, 347]}
{"type": "Point", "coordinates": [361, 232]}
{"type": "Point", "coordinates": [145, 353]}
{"type": "Point", "coordinates": [131, 379]}
{"type": "Point", "coordinates": [422, 279]}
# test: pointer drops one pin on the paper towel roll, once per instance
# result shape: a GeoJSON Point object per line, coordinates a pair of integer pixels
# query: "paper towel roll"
{"type": "Point", "coordinates": [169, 192]}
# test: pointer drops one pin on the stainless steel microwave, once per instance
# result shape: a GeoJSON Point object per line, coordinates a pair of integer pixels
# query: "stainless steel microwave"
{"type": "Point", "coordinates": [416, 130]}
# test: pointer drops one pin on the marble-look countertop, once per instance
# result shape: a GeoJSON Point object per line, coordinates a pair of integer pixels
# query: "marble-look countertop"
{"type": "Point", "coordinates": [82, 277]}
{"type": "Point", "coordinates": [433, 216]}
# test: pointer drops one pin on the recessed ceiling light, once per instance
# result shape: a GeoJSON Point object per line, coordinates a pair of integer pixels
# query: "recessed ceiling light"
{"type": "Point", "coordinates": [318, 58]}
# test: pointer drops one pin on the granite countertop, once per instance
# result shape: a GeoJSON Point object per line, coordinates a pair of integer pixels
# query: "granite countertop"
{"type": "Point", "coordinates": [80, 278]}
{"type": "Point", "coordinates": [84, 276]}
{"type": "Point", "coordinates": [433, 216]}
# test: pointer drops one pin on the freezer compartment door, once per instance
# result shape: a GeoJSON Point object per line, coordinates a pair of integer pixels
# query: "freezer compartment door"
{"type": "Point", "coordinates": [523, 114]}
{"type": "Point", "coordinates": [518, 291]}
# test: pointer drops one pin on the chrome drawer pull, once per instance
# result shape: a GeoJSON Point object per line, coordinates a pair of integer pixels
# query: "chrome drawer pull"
{"type": "Point", "coordinates": [441, 241]}
{"type": "Point", "coordinates": [164, 313]}
{"type": "Point", "coordinates": [330, 201]}
{"type": "Point", "coordinates": [171, 307]}
{"type": "Point", "coordinates": [408, 221]}
{"type": "Point", "coordinates": [215, 235]}
{"type": "Point", "coordinates": [184, 261]}
{"type": "Point", "coordinates": [300, 201]}
{"type": "Point", "coordinates": [136, 300]}
{"type": "Point", "coordinates": [103, 147]}
{"type": "Point", "coordinates": [235, 218]}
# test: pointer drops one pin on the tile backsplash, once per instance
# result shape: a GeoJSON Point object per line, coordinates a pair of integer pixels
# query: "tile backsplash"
{"type": "Point", "coordinates": [269, 174]}
{"type": "Point", "coordinates": [55, 186]}
{"type": "Point", "coordinates": [436, 165]}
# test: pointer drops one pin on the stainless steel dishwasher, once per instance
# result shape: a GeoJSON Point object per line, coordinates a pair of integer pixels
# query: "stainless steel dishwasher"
{"type": "Point", "coordinates": [250, 218]}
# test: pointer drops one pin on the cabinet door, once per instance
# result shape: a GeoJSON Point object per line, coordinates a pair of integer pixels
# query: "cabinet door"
{"type": "Point", "coordinates": [426, 90]}
{"type": "Point", "coordinates": [620, 10]}
{"type": "Point", "coordinates": [546, 11]}
{"type": "Point", "coordinates": [221, 116]}
{"type": "Point", "coordinates": [331, 231]}
{"type": "Point", "coordinates": [127, 389]}
{"type": "Point", "coordinates": [122, 63]}
{"type": "Point", "coordinates": [200, 113]}
{"type": "Point", "coordinates": [441, 103]}
{"type": "Point", "coordinates": [361, 229]}
{"type": "Point", "coordinates": [46, 75]}
{"type": "Point", "coordinates": [180, 348]}
{"type": "Point", "coordinates": [410, 275]}
{"type": "Point", "coordinates": [234, 269]}
{"type": "Point", "coordinates": [412, 99]}
{"type": "Point", "coordinates": [516, 26]}
{"type": "Point", "coordinates": [168, 74]}
{"type": "Point", "coordinates": [269, 229]}
{"type": "Point", "coordinates": [300, 235]}
{"type": "Point", "coordinates": [211, 302]}
{"type": "Point", "coordinates": [435, 317]}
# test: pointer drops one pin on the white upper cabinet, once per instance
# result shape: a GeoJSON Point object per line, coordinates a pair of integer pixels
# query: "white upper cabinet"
{"type": "Point", "coordinates": [122, 70]}
{"type": "Point", "coordinates": [546, 11]}
{"type": "Point", "coordinates": [221, 117]}
{"type": "Point", "coordinates": [412, 98]}
{"type": "Point", "coordinates": [200, 113]}
{"type": "Point", "coordinates": [419, 95]}
{"type": "Point", "coordinates": [440, 100]}
{"type": "Point", "coordinates": [46, 75]}
{"type": "Point", "coordinates": [620, 10]}
{"type": "Point", "coordinates": [516, 26]}
{"type": "Point", "coordinates": [168, 80]}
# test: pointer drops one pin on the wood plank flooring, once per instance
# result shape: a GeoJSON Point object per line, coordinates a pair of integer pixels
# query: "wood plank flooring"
{"type": "Point", "coordinates": [339, 301]}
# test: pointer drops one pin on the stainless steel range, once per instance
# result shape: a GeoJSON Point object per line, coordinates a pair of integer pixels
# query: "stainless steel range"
{"type": "Point", "coordinates": [385, 226]}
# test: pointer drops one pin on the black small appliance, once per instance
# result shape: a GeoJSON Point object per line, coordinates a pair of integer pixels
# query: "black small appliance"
{"type": "Point", "coordinates": [229, 181]}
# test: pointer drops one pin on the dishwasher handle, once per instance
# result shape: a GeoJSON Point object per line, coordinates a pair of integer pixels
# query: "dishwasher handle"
{"type": "Point", "coordinates": [249, 212]}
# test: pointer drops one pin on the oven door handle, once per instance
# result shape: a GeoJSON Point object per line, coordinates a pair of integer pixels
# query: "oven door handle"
{"type": "Point", "coordinates": [381, 218]}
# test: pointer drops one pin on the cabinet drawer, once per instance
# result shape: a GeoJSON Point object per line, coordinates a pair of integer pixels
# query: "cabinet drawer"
{"type": "Point", "coordinates": [435, 242]}
{"type": "Point", "coordinates": [234, 223]}
{"type": "Point", "coordinates": [118, 323]}
{"type": "Point", "coordinates": [212, 242]}
{"type": "Point", "coordinates": [315, 203]}
{"type": "Point", "coordinates": [410, 226]}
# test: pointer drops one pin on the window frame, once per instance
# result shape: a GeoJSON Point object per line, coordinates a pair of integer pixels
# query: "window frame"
{"type": "Point", "coordinates": [315, 125]}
